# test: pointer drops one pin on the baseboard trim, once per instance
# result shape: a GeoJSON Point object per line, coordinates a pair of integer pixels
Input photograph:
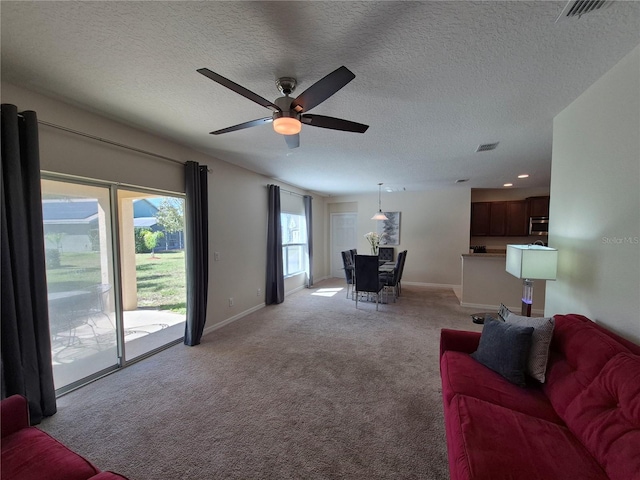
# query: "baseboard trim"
{"type": "Point", "coordinates": [489, 308]}
{"type": "Point", "coordinates": [229, 320]}
{"type": "Point", "coordinates": [434, 285]}
{"type": "Point", "coordinates": [240, 315]}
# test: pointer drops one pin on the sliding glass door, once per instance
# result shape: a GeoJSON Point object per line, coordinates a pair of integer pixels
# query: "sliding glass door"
{"type": "Point", "coordinates": [80, 280]}
{"type": "Point", "coordinates": [154, 297]}
{"type": "Point", "coordinates": [115, 276]}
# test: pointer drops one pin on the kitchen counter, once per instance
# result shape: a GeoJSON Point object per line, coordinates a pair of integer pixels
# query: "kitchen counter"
{"type": "Point", "coordinates": [486, 284]}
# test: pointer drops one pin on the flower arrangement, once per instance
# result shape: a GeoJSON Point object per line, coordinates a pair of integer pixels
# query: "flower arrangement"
{"type": "Point", "coordinates": [374, 240]}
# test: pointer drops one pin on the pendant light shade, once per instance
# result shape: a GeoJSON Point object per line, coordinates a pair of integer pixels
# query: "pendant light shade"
{"type": "Point", "coordinates": [379, 215]}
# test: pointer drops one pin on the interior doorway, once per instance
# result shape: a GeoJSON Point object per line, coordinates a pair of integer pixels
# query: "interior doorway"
{"type": "Point", "coordinates": [344, 236]}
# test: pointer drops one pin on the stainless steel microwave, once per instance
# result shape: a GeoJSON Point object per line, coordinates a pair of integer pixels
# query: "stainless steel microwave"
{"type": "Point", "coordinates": [538, 225]}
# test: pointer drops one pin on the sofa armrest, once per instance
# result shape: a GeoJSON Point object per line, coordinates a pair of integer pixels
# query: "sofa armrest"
{"type": "Point", "coordinates": [14, 415]}
{"type": "Point", "coordinates": [458, 340]}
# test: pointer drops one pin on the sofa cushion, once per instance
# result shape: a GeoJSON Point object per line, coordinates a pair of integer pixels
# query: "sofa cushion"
{"type": "Point", "coordinates": [461, 374]}
{"type": "Point", "coordinates": [487, 441]}
{"type": "Point", "coordinates": [606, 417]}
{"type": "Point", "coordinates": [577, 353]}
{"type": "Point", "coordinates": [31, 453]}
{"type": "Point", "coordinates": [540, 341]}
{"type": "Point", "coordinates": [504, 348]}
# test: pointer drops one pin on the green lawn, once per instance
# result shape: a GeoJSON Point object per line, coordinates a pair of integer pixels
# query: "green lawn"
{"type": "Point", "coordinates": [161, 279]}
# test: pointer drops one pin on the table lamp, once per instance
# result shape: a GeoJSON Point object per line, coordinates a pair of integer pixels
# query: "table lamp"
{"type": "Point", "coordinates": [531, 262]}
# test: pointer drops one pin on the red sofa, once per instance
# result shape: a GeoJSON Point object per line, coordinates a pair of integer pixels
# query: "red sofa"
{"type": "Point", "coordinates": [29, 453]}
{"type": "Point", "coordinates": [582, 423]}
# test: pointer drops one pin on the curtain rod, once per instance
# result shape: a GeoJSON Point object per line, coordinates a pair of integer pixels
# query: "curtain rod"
{"type": "Point", "coordinates": [111, 142]}
{"type": "Point", "coordinates": [290, 192]}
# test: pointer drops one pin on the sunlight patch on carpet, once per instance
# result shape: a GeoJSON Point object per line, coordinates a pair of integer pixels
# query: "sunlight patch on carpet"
{"type": "Point", "coordinates": [327, 292]}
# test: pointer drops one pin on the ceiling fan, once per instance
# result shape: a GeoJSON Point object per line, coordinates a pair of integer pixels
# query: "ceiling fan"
{"type": "Point", "coordinates": [289, 114]}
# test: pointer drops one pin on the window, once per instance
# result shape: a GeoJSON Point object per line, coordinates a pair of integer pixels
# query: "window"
{"type": "Point", "coordinates": [294, 243]}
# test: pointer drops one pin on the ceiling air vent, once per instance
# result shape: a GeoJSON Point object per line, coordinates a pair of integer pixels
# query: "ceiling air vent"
{"type": "Point", "coordinates": [487, 146]}
{"type": "Point", "coordinates": [577, 8]}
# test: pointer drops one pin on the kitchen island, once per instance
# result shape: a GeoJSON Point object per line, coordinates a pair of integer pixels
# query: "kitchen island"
{"type": "Point", "coordinates": [486, 284]}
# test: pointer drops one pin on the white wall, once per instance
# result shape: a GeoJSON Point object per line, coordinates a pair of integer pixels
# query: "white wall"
{"type": "Point", "coordinates": [595, 202]}
{"type": "Point", "coordinates": [434, 229]}
{"type": "Point", "coordinates": [237, 197]}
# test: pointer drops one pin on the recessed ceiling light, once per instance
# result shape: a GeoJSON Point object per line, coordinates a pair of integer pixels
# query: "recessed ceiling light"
{"type": "Point", "coordinates": [508, 185]}
{"type": "Point", "coordinates": [524, 175]}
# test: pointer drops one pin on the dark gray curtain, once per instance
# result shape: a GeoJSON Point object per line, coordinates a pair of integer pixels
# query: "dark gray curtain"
{"type": "Point", "coordinates": [197, 241]}
{"type": "Point", "coordinates": [26, 344]}
{"type": "Point", "coordinates": [309, 216]}
{"type": "Point", "coordinates": [274, 290]}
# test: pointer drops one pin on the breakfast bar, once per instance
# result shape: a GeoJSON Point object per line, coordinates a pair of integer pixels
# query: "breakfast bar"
{"type": "Point", "coordinates": [486, 284]}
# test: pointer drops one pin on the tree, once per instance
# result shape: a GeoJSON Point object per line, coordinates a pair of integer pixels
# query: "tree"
{"type": "Point", "coordinates": [170, 215]}
{"type": "Point", "coordinates": [151, 240]}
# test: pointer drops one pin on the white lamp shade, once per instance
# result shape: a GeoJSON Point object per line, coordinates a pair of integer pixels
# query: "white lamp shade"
{"type": "Point", "coordinates": [534, 262]}
{"type": "Point", "coordinates": [287, 125]}
{"type": "Point", "coordinates": [379, 216]}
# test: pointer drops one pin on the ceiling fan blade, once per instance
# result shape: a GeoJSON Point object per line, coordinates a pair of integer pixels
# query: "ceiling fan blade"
{"type": "Point", "coordinates": [225, 82]}
{"type": "Point", "coordinates": [293, 141]}
{"type": "Point", "coordinates": [322, 89]}
{"type": "Point", "coordinates": [252, 123]}
{"type": "Point", "coordinates": [333, 123]}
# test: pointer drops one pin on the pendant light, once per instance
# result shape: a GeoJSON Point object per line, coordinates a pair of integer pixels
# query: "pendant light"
{"type": "Point", "coordinates": [379, 215]}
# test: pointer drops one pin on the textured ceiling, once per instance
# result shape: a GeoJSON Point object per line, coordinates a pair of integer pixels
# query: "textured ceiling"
{"type": "Point", "coordinates": [433, 79]}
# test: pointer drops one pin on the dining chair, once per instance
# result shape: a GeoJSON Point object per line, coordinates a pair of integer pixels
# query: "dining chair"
{"type": "Point", "coordinates": [367, 279]}
{"type": "Point", "coordinates": [404, 259]}
{"type": "Point", "coordinates": [386, 253]}
{"type": "Point", "coordinates": [348, 266]}
{"type": "Point", "coordinates": [392, 278]}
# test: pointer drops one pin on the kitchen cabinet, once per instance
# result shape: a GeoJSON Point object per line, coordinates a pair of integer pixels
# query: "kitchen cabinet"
{"type": "Point", "coordinates": [517, 221]}
{"type": "Point", "coordinates": [499, 219]}
{"type": "Point", "coordinates": [480, 213]}
{"type": "Point", "coordinates": [538, 206]}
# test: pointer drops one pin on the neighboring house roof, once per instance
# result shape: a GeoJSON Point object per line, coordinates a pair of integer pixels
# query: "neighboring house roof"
{"type": "Point", "coordinates": [79, 211]}
{"type": "Point", "coordinates": [69, 211]}
{"type": "Point", "coordinates": [144, 222]}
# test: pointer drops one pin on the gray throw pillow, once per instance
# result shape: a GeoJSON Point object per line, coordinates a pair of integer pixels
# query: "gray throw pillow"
{"type": "Point", "coordinates": [540, 340]}
{"type": "Point", "coordinates": [504, 348]}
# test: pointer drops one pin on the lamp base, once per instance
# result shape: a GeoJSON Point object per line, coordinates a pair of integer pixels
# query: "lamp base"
{"type": "Point", "coordinates": [527, 297]}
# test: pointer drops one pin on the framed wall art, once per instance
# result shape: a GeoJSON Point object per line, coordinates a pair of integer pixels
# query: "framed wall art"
{"type": "Point", "coordinates": [389, 230]}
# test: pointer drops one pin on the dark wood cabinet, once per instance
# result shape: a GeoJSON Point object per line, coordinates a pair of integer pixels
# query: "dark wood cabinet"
{"type": "Point", "coordinates": [538, 206]}
{"type": "Point", "coordinates": [508, 218]}
{"type": "Point", "coordinates": [480, 213]}
{"type": "Point", "coordinates": [517, 223]}
{"type": "Point", "coordinates": [498, 220]}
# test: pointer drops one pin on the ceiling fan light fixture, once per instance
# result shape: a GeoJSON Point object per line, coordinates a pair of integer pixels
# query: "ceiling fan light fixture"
{"type": "Point", "coordinates": [287, 126]}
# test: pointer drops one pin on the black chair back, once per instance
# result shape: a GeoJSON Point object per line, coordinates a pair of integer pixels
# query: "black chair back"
{"type": "Point", "coordinates": [386, 253]}
{"type": "Point", "coordinates": [367, 279]}
{"type": "Point", "coordinates": [348, 266]}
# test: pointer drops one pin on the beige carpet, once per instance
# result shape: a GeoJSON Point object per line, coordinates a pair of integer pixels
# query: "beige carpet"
{"type": "Point", "coordinates": [309, 389]}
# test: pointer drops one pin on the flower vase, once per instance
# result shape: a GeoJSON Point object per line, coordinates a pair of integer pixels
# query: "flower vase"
{"type": "Point", "coordinates": [374, 250]}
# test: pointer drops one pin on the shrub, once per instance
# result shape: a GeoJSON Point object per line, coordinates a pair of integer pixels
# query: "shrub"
{"type": "Point", "coordinates": [141, 246]}
{"type": "Point", "coordinates": [52, 257]}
